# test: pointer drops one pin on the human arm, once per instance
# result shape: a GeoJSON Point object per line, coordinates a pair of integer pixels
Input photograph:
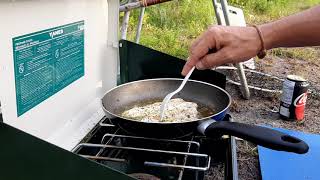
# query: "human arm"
{"type": "Point", "coordinates": [236, 44]}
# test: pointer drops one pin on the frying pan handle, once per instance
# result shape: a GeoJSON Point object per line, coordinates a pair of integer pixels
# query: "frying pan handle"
{"type": "Point", "coordinates": [262, 136]}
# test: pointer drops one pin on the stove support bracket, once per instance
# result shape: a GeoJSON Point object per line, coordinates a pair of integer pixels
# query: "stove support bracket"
{"type": "Point", "coordinates": [224, 5]}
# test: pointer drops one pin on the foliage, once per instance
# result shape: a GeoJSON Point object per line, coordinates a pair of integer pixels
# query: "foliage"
{"type": "Point", "coordinates": [170, 27]}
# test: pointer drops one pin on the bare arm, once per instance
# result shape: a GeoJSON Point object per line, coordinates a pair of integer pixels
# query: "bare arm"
{"type": "Point", "coordinates": [302, 29]}
{"type": "Point", "coordinates": [236, 44]}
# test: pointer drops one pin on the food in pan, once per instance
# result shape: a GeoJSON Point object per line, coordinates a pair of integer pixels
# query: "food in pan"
{"type": "Point", "coordinates": [177, 110]}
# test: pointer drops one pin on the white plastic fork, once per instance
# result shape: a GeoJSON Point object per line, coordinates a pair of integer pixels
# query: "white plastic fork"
{"type": "Point", "coordinates": [170, 95]}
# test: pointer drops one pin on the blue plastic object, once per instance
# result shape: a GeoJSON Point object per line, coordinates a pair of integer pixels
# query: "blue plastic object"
{"type": "Point", "coordinates": [276, 165]}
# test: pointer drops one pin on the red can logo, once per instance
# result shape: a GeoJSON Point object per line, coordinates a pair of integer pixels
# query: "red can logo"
{"type": "Point", "coordinates": [300, 103]}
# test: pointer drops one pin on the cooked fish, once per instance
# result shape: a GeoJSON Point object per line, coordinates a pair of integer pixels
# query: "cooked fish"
{"type": "Point", "coordinates": [177, 110]}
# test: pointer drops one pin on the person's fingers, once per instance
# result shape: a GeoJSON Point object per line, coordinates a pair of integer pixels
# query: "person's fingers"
{"type": "Point", "coordinates": [196, 41]}
{"type": "Point", "coordinates": [186, 68]}
{"type": "Point", "coordinates": [191, 62]}
{"type": "Point", "coordinates": [188, 65]}
{"type": "Point", "coordinates": [202, 48]}
{"type": "Point", "coordinates": [197, 52]}
{"type": "Point", "coordinates": [215, 59]}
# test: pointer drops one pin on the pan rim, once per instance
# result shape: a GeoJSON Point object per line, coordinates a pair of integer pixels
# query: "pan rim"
{"type": "Point", "coordinates": [176, 79]}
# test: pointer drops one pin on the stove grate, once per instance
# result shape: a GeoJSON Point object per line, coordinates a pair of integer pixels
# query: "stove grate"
{"type": "Point", "coordinates": [169, 154]}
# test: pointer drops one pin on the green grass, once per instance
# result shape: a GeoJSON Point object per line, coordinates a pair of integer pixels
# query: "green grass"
{"type": "Point", "coordinates": [171, 27]}
{"type": "Point", "coordinates": [261, 11]}
{"type": "Point", "coordinates": [309, 54]}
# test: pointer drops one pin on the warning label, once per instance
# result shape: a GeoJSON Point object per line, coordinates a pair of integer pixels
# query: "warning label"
{"type": "Point", "coordinates": [47, 61]}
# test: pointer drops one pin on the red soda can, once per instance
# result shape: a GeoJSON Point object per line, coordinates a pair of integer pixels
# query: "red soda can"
{"type": "Point", "coordinates": [294, 98]}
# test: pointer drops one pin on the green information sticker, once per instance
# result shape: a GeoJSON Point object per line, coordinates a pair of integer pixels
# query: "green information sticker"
{"type": "Point", "coordinates": [47, 61]}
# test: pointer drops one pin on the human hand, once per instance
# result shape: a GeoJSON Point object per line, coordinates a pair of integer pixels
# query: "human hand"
{"type": "Point", "coordinates": [231, 45]}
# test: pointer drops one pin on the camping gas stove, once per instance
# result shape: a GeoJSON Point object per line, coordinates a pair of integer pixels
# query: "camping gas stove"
{"type": "Point", "coordinates": [189, 157]}
{"type": "Point", "coordinates": [141, 157]}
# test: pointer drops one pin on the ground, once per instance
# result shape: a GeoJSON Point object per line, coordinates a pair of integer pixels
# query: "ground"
{"type": "Point", "coordinates": [261, 108]}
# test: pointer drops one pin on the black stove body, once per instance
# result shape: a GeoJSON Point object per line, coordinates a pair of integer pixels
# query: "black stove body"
{"type": "Point", "coordinates": [188, 158]}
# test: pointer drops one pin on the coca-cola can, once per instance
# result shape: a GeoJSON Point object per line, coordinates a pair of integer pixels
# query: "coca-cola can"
{"type": "Point", "coordinates": [294, 98]}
